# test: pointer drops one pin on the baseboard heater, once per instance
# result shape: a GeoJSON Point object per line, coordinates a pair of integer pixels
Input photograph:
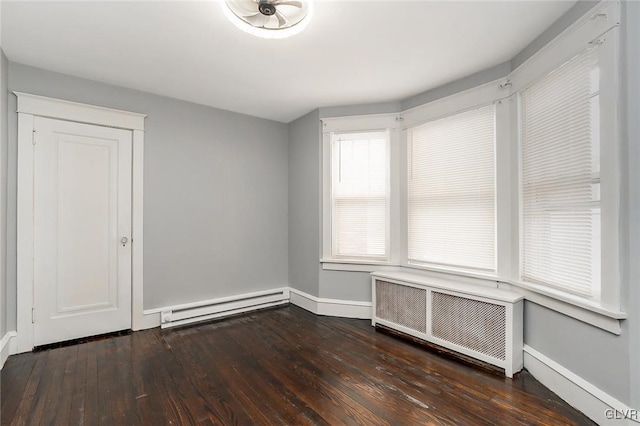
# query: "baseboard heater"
{"type": "Point", "coordinates": [222, 307]}
{"type": "Point", "coordinates": [484, 323]}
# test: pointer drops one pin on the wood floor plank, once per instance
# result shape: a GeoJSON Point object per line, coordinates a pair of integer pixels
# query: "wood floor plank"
{"type": "Point", "coordinates": [58, 406]}
{"type": "Point", "coordinates": [233, 368]}
{"type": "Point", "coordinates": [35, 413]}
{"type": "Point", "coordinates": [122, 357]}
{"type": "Point", "coordinates": [469, 389]}
{"type": "Point", "coordinates": [148, 355]}
{"type": "Point", "coordinates": [177, 407]}
{"type": "Point", "coordinates": [361, 378]}
{"type": "Point", "coordinates": [447, 380]}
{"type": "Point", "coordinates": [254, 396]}
{"type": "Point", "coordinates": [273, 367]}
{"type": "Point", "coordinates": [331, 404]}
{"type": "Point", "coordinates": [78, 388]}
{"type": "Point", "coordinates": [14, 380]}
{"type": "Point", "coordinates": [209, 395]}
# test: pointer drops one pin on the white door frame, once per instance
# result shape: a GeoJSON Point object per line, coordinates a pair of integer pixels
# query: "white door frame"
{"type": "Point", "coordinates": [29, 107]}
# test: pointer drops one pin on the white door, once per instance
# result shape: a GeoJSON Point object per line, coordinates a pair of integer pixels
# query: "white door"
{"type": "Point", "coordinates": [82, 226]}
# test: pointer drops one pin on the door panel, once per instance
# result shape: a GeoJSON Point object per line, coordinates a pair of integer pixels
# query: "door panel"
{"type": "Point", "coordinates": [82, 199]}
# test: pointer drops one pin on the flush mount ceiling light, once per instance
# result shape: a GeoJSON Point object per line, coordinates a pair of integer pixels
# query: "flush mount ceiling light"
{"type": "Point", "coordinates": [269, 18]}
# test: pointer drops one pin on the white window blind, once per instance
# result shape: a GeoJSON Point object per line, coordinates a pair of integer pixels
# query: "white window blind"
{"type": "Point", "coordinates": [360, 195]}
{"type": "Point", "coordinates": [451, 191]}
{"type": "Point", "coordinates": [560, 149]}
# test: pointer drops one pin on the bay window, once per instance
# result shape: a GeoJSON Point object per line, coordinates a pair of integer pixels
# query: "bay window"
{"type": "Point", "coordinates": [512, 183]}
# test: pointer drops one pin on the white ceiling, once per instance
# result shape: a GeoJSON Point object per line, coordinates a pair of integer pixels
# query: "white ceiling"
{"type": "Point", "coordinates": [352, 52]}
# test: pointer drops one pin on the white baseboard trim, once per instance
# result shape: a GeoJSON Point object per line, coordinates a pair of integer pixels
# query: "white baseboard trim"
{"type": "Point", "coordinates": [7, 346]}
{"type": "Point", "coordinates": [595, 403]}
{"type": "Point", "coordinates": [330, 307]}
{"type": "Point", "coordinates": [149, 320]}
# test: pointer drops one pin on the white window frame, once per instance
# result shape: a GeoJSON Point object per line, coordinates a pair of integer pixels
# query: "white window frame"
{"type": "Point", "coordinates": [464, 101]}
{"type": "Point", "coordinates": [369, 123]}
{"type": "Point", "coordinates": [599, 26]}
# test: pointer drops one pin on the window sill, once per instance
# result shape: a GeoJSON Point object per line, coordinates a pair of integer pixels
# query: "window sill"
{"type": "Point", "coordinates": [452, 271]}
{"type": "Point", "coordinates": [575, 307]}
{"type": "Point", "coordinates": [357, 265]}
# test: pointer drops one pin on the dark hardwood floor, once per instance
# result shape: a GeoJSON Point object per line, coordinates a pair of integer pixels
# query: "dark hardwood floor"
{"type": "Point", "coordinates": [279, 366]}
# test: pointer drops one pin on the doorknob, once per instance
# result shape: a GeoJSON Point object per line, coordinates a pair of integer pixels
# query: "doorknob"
{"type": "Point", "coordinates": [124, 241]}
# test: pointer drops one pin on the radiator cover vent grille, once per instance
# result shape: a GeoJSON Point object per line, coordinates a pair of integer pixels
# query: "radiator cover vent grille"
{"type": "Point", "coordinates": [402, 305]}
{"type": "Point", "coordinates": [470, 323]}
{"type": "Point", "coordinates": [476, 321]}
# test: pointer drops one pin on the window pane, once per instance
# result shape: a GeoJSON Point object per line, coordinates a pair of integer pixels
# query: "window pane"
{"type": "Point", "coordinates": [360, 195]}
{"type": "Point", "coordinates": [560, 148]}
{"type": "Point", "coordinates": [451, 198]}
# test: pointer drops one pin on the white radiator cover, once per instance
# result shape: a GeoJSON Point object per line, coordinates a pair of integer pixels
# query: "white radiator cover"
{"type": "Point", "coordinates": [481, 322]}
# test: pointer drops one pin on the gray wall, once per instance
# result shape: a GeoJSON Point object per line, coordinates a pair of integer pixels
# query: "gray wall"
{"type": "Point", "coordinates": [345, 285]}
{"type": "Point", "coordinates": [597, 356]}
{"type": "Point", "coordinates": [3, 190]}
{"type": "Point", "coordinates": [631, 274]}
{"type": "Point", "coordinates": [215, 182]}
{"type": "Point", "coordinates": [304, 208]}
